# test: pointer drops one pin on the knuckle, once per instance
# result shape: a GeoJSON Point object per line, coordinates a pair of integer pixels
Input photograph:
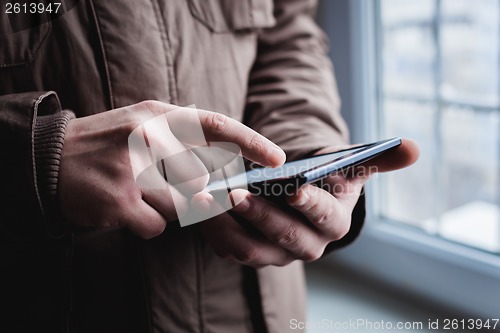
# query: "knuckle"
{"type": "Point", "coordinates": [151, 105]}
{"type": "Point", "coordinates": [130, 126]}
{"type": "Point", "coordinates": [341, 230]}
{"type": "Point", "coordinates": [122, 131]}
{"type": "Point", "coordinates": [223, 253]}
{"type": "Point", "coordinates": [217, 122]}
{"type": "Point", "coordinates": [312, 204]}
{"type": "Point", "coordinates": [313, 254]}
{"type": "Point", "coordinates": [155, 229]}
{"type": "Point", "coordinates": [257, 145]}
{"type": "Point", "coordinates": [261, 214]}
{"type": "Point", "coordinates": [125, 201]}
{"type": "Point", "coordinates": [285, 262]}
{"type": "Point", "coordinates": [226, 256]}
{"type": "Point", "coordinates": [326, 218]}
{"type": "Point", "coordinates": [155, 108]}
{"type": "Point", "coordinates": [248, 255]}
{"type": "Point", "coordinates": [287, 237]}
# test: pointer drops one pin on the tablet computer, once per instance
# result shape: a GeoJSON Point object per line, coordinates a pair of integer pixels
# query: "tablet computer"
{"type": "Point", "coordinates": [273, 182]}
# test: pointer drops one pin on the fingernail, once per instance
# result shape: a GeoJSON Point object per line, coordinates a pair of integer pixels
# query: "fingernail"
{"type": "Point", "coordinates": [242, 206]}
{"type": "Point", "coordinates": [300, 200]}
{"type": "Point", "coordinates": [280, 154]}
{"type": "Point", "coordinates": [202, 205]}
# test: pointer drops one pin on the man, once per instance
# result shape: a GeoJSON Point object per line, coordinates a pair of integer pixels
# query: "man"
{"type": "Point", "coordinates": [84, 248]}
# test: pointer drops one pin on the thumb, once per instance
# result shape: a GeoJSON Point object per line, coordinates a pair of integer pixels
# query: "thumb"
{"type": "Point", "coordinates": [399, 157]}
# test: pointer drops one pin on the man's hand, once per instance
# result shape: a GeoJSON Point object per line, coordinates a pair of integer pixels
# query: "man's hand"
{"type": "Point", "coordinates": [316, 216]}
{"type": "Point", "coordinates": [96, 181]}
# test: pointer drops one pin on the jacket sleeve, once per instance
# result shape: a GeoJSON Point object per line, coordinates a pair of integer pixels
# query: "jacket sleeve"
{"type": "Point", "coordinates": [31, 139]}
{"type": "Point", "coordinates": [292, 95]}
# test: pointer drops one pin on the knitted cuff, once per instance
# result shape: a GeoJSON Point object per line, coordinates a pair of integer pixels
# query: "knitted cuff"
{"type": "Point", "coordinates": [48, 143]}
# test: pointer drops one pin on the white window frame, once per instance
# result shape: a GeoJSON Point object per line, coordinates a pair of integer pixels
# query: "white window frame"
{"type": "Point", "coordinates": [464, 280]}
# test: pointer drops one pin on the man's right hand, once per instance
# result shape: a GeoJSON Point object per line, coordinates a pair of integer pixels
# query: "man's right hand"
{"type": "Point", "coordinates": [96, 181]}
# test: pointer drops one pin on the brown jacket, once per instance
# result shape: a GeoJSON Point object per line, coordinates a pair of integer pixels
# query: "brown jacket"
{"type": "Point", "coordinates": [262, 62]}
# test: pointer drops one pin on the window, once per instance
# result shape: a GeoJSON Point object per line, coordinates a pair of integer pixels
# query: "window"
{"type": "Point", "coordinates": [439, 84]}
{"type": "Point", "coordinates": [427, 70]}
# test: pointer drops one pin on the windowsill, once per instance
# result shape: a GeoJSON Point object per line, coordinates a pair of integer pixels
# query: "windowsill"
{"type": "Point", "coordinates": [475, 224]}
{"type": "Point", "coordinates": [341, 295]}
{"type": "Point", "coordinates": [451, 275]}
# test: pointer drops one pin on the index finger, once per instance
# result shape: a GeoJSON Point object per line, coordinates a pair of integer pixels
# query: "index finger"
{"type": "Point", "coordinates": [254, 146]}
{"type": "Point", "coordinates": [218, 127]}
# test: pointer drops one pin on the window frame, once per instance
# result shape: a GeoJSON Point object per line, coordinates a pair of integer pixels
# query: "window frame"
{"type": "Point", "coordinates": [463, 279]}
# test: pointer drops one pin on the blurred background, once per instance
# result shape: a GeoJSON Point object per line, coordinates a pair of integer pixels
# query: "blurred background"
{"type": "Point", "coordinates": [427, 70]}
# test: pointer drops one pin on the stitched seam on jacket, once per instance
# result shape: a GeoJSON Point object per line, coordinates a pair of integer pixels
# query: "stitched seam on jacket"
{"type": "Point", "coordinates": [69, 317]}
{"type": "Point", "coordinates": [32, 53]}
{"type": "Point", "coordinates": [145, 289]}
{"type": "Point", "coordinates": [104, 54]}
{"type": "Point", "coordinates": [199, 278]}
{"type": "Point", "coordinates": [160, 20]}
{"type": "Point", "coordinates": [35, 50]}
{"type": "Point", "coordinates": [250, 12]}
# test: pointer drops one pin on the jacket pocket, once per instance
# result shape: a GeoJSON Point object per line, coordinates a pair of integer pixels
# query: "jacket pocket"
{"type": "Point", "coordinates": [21, 36]}
{"type": "Point", "coordinates": [223, 16]}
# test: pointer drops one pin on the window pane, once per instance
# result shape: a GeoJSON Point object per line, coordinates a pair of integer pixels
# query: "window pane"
{"type": "Point", "coordinates": [470, 43]}
{"type": "Point", "coordinates": [469, 173]}
{"type": "Point", "coordinates": [404, 11]}
{"type": "Point", "coordinates": [453, 191]}
{"type": "Point", "coordinates": [403, 200]}
{"type": "Point", "coordinates": [470, 155]}
{"type": "Point", "coordinates": [408, 49]}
